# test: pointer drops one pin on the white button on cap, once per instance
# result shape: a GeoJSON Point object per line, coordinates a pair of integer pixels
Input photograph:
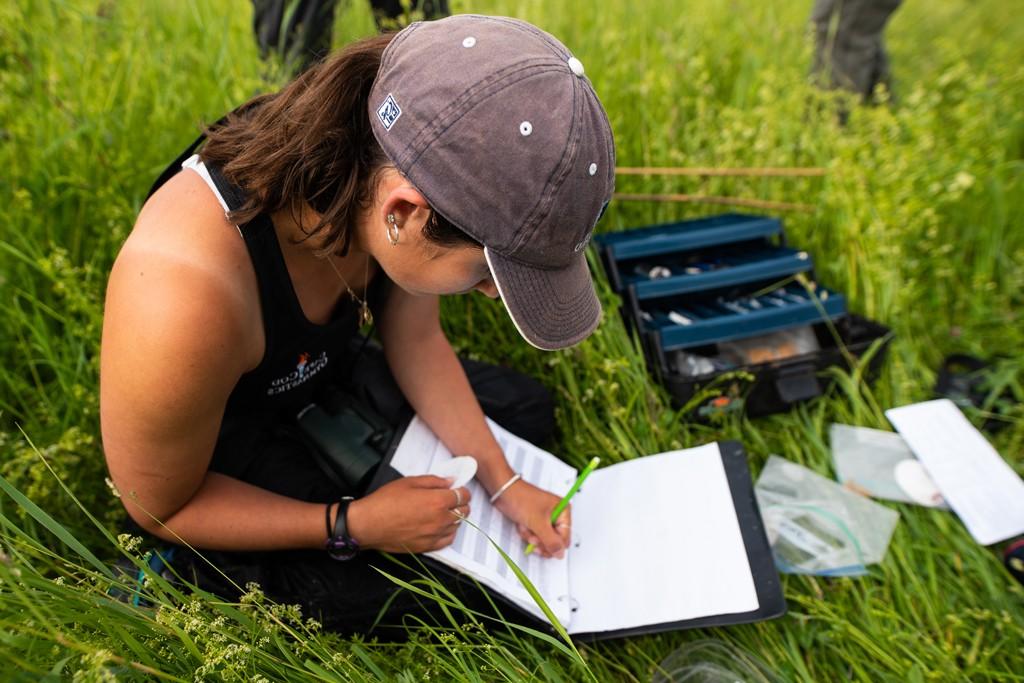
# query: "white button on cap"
{"type": "Point", "coordinates": [468, 41]}
{"type": "Point", "coordinates": [593, 169]}
{"type": "Point", "coordinates": [575, 66]}
{"type": "Point", "coordinates": [525, 128]}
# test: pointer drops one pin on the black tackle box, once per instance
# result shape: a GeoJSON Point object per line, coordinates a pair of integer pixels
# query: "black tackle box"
{"type": "Point", "coordinates": [726, 300]}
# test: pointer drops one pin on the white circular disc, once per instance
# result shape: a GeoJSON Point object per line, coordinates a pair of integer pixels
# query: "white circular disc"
{"type": "Point", "coordinates": [915, 481]}
{"type": "Point", "coordinates": [461, 468]}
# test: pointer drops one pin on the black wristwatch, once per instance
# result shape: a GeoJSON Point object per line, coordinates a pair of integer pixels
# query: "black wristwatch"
{"type": "Point", "coordinates": [341, 546]}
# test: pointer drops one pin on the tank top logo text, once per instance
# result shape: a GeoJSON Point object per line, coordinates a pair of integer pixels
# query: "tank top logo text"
{"type": "Point", "coordinates": [303, 372]}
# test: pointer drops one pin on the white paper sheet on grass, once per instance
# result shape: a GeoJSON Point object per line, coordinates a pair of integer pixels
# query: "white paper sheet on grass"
{"type": "Point", "coordinates": [655, 540]}
{"type": "Point", "coordinates": [973, 478]}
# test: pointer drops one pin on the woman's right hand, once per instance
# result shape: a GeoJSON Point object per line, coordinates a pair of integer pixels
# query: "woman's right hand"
{"type": "Point", "coordinates": [409, 515]}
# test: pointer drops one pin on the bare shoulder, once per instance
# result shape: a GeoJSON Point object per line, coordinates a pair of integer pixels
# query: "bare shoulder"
{"type": "Point", "coordinates": [186, 264]}
{"type": "Point", "coordinates": [182, 321]}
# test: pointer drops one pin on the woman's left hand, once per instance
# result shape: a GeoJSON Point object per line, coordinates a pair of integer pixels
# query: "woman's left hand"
{"type": "Point", "coordinates": [530, 508]}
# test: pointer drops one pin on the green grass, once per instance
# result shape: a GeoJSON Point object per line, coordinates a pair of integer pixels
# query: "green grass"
{"type": "Point", "coordinates": [918, 221]}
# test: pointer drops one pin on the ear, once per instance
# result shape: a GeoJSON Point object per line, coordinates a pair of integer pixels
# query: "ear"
{"type": "Point", "coordinates": [410, 208]}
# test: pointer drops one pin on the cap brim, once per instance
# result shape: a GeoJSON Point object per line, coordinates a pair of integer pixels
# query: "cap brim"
{"type": "Point", "coordinates": [552, 309]}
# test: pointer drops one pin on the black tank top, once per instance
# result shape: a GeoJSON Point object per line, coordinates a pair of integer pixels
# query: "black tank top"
{"type": "Point", "coordinates": [300, 356]}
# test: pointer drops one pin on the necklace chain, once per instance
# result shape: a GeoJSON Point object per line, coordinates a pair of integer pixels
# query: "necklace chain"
{"type": "Point", "coordinates": [365, 315]}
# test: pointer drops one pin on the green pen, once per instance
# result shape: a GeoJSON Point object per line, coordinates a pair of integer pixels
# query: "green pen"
{"type": "Point", "coordinates": [564, 503]}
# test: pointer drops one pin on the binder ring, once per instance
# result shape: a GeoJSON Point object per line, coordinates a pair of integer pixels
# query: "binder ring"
{"type": "Point", "coordinates": [573, 602]}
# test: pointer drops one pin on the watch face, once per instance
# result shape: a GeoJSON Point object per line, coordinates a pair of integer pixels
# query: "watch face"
{"type": "Point", "coordinates": [341, 548]}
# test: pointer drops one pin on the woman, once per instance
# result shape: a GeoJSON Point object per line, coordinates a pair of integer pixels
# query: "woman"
{"type": "Point", "coordinates": [464, 154]}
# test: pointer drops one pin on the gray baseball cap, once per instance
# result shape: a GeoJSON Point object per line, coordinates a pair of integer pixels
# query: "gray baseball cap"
{"type": "Point", "coordinates": [495, 123]}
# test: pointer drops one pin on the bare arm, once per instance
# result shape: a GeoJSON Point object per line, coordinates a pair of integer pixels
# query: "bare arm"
{"type": "Point", "coordinates": [170, 357]}
{"type": "Point", "coordinates": [432, 379]}
{"type": "Point", "coordinates": [434, 382]}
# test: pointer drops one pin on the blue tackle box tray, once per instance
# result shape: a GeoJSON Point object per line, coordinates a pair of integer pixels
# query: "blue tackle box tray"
{"type": "Point", "coordinates": [689, 287]}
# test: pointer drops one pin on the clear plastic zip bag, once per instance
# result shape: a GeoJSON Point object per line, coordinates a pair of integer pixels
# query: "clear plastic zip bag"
{"type": "Point", "coordinates": [712, 661]}
{"type": "Point", "coordinates": [881, 465]}
{"type": "Point", "coordinates": [815, 526]}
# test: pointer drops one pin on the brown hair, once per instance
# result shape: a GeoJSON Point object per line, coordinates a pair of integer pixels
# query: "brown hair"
{"type": "Point", "coordinates": [312, 143]}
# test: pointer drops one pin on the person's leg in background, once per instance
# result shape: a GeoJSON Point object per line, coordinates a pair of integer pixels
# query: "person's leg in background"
{"type": "Point", "coordinates": [882, 72]}
{"type": "Point", "coordinates": [849, 44]}
{"type": "Point", "coordinates": [298, 30]}
{"type": "Point", "coordinates": [388, 14]}
{"type": "Point", "coordinates": [822, 17]}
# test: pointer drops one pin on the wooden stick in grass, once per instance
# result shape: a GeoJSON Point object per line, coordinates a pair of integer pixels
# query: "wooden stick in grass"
{"type": "Point", "coordinates": [710, 199]}
{"type": "Point", "coordinates": [766, 171]}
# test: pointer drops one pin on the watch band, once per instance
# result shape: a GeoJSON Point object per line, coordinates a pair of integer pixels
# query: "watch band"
{"type": "Point", "coordinates": [327, 519]}
{"type": "Point", "coordinates": [340, 545]}
{"type": "Point", "coordinates": [341, 518]}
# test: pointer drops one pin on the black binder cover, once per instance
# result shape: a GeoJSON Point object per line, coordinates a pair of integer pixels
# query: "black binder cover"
{"type": "Point", "coordinates": [770, 599]}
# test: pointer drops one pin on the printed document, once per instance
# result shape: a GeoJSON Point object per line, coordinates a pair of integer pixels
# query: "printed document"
{"type": "Point", "coordinates": [974, 479]}
{"type": "Point", "coordinates": [421, 452]}
{"type": "Point", "coordinates": [655, 540]}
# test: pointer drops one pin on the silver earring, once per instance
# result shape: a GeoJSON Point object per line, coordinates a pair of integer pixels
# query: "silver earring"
{"type": "Point", "coordinates": [392, 228]}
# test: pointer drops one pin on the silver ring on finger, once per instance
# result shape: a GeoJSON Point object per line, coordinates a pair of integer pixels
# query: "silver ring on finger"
{"type": "Point", "coordinates": [458, 497]}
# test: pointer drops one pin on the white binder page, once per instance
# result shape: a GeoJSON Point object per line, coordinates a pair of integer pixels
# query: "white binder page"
{"type": "Point", "coordinates": [657, 540]}
{"type": "Point", "coordinates": [420, 452]}
{"type": "Point", "coordinates": [973, 478]}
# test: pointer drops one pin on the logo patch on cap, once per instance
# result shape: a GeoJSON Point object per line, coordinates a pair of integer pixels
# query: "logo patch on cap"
{"type": "Point", "coordinates": [389, 112]}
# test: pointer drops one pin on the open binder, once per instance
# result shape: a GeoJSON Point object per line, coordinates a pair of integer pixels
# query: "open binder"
{"type": "Point", "coordinates": [659, 543]}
